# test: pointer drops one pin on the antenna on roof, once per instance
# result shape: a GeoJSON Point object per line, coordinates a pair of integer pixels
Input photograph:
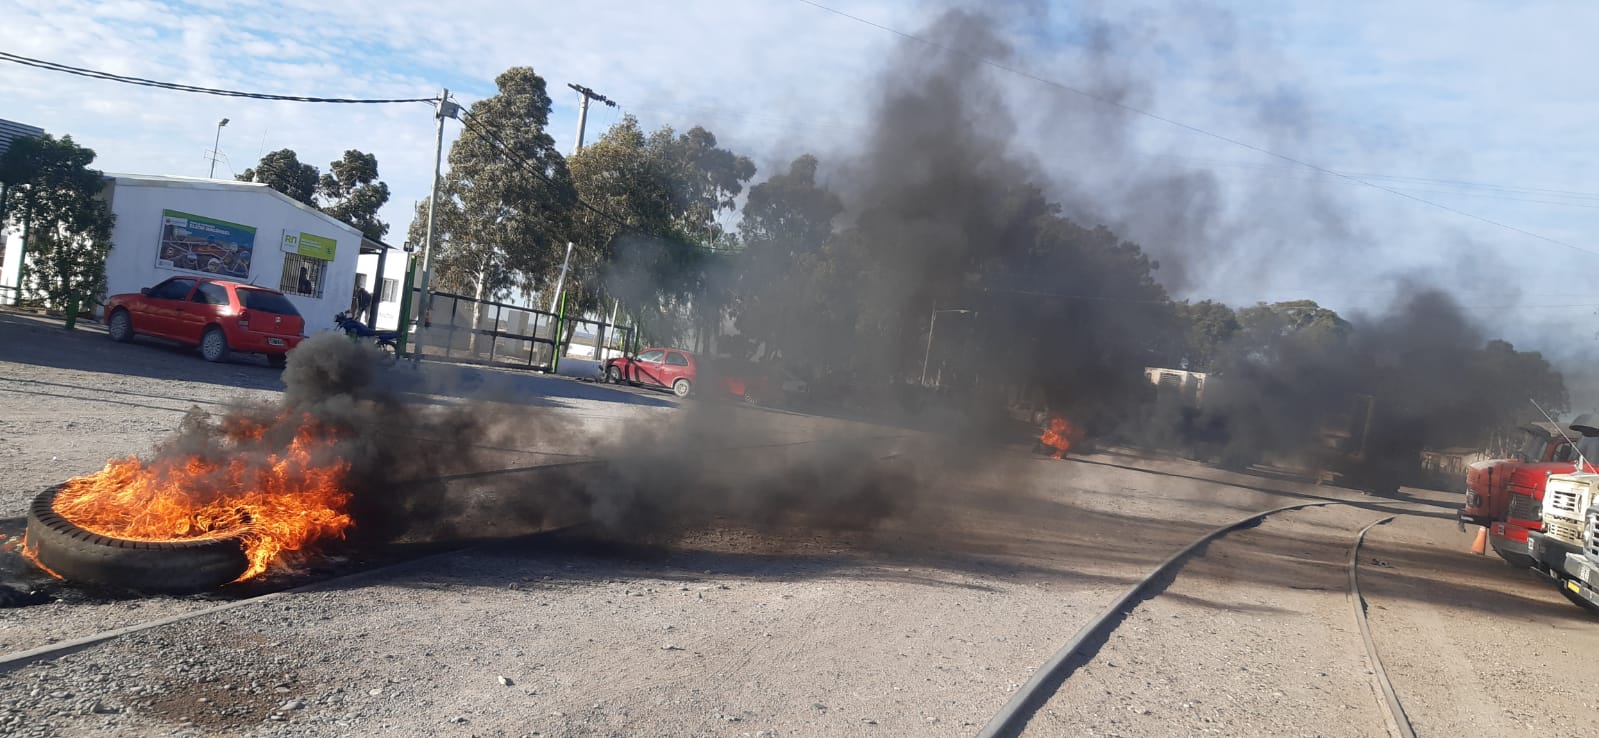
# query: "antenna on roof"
{"type": "Point", "coordinates": [1581, 460]}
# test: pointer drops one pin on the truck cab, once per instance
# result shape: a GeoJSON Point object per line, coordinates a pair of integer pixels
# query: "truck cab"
{"type": "Point", "coordinates": [1579, 570]}
{"type": "Point", "coordinates": [1507, 495]}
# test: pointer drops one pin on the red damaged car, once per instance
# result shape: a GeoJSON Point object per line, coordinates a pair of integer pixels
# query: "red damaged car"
{"type": "Point", "coordinates": [217, 316]}
{"type": "Point", "coordinates": [659, 367]}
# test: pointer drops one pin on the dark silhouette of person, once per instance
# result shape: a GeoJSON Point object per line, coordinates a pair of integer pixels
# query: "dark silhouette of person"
{"type": "Point", "coordinates": [306, 287]}
{"type": "Point", "coordinates": [363, 300]}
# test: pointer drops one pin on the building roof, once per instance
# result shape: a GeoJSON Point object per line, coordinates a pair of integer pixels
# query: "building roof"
{"type": "Point", "coordinates": [10, 130]}
{"type": "Point", "coordinates": [374, 246]}
{"type": "Point", "coordinates": [203, 183]}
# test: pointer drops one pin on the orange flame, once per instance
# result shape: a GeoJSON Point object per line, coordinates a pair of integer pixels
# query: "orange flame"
{"type": "Point", "coordinates": [28, 553]}
{"type": "Point", "coordinates": [276, 503]}
{"type": "Point", "coordinates": [1060, 436]}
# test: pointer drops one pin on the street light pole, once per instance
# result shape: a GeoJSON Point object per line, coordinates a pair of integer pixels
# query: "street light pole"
{"type": "Point", "coordinates": [445, 109]}
{"type": "Point", "coordinates": [214, 148]}
{"type": "Point", "coordinates": [932, 323]}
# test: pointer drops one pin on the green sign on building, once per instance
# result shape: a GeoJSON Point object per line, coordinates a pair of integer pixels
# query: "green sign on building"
{"type": "Point", "coordinates": [305, 244]}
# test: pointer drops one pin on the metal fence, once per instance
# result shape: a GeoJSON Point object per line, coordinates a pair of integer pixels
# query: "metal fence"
{"type": "Point", "coordinates": [463, 329]}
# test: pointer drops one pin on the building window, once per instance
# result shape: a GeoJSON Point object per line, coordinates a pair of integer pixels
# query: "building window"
{"type": "Point", "coordinates": [302, 275]}
{"type": "Point", "coordinates": [390, 286]}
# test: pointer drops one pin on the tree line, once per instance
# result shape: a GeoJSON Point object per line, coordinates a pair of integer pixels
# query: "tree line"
{"type": "Point", "coordinates": [676, 229]}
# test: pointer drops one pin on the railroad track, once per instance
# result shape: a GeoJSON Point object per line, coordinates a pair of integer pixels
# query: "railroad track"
{"type": "Point", "coordinates": [1013, 718]}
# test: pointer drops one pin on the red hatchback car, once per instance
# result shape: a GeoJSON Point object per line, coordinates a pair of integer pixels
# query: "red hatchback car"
{"type": "Point", "coordinates": [661, 367]}
{"type": "Point", "coordinates": [219, 317]}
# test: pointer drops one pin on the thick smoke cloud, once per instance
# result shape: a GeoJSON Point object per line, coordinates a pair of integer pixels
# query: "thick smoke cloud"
{"type": "Point", "coordinates": [945, 210]}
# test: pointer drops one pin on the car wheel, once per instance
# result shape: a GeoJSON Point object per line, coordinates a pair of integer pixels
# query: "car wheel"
{"type": "Point", "coordinates": [614, 374]}
{"type": "Point", "coordinates": [176, 567]}
{"type": "Point", "coordinates": [277, 361]}
{"type": "Point", "coordinates": [682, 387]}
{"type": "Point", "coordinates": [214, 344]}
{"type": "Point", "coordinates": [120, 327]}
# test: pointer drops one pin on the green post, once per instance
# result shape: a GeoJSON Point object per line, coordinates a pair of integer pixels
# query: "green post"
{"type": "Point", "coordinates": [405, 302]}
{"type": "Point", "coordinates": [560, 325]}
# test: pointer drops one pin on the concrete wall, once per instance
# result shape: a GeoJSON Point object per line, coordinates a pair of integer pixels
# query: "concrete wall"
{"type": "Point", "coordinates": [136, 237]}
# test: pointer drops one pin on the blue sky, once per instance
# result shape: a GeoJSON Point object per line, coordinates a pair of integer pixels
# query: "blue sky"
{"type": "Point", "coordinates": [1483, 106]}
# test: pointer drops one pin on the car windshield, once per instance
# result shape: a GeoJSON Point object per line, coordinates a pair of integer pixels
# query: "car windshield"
{"type": "Point", "coordinates": [266, 302]}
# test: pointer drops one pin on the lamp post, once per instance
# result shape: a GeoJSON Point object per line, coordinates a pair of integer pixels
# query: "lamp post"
{"type": "Point", "coordinates": [214, 151]}
{"type": "Point", "coordinates": [931, 324]}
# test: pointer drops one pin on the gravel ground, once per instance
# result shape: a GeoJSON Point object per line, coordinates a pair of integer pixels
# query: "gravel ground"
{"type": "Point", "coordinates": [924, 626]}
{"type": "Point", "coordinates": [1473, 646]}
{"type": "Point", "coordinates": [1253, 638]}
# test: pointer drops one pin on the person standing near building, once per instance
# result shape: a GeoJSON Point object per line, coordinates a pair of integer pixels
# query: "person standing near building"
{"type": "Point", "coordinates": [363, 300]}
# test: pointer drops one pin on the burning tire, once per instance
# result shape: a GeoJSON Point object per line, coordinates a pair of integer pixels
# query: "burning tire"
{"type": "Point", "coordinates": [171, 567]}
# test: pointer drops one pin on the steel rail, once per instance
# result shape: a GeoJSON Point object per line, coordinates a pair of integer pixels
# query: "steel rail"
{"type": "Point", "coordinates": [19, 659]}
{"type": "Point", "coordinates": [1393, 712]}
{"type": "Point", "coordinates": [1014, 716]}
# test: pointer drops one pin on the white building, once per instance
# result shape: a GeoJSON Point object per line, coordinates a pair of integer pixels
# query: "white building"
{"type": "Point", "coordinates": [385, 287]}
{"type": "Point", "coordinates": [241, 231]}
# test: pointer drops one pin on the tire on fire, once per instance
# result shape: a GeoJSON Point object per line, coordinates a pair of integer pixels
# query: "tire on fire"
{"type": "Point", "coordinates": [168, 567]}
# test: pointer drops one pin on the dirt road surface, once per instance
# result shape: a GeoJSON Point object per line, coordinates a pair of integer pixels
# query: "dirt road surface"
{"type": "Point", "coordinates": [923, 626]}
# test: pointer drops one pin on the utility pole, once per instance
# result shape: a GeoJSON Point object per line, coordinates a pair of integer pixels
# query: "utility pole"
{"type": "Point", "coordinates": [215, 149]}
{"type": "Point", "coordinates": [445, 109]}
{"type": "Point", "coordinates": [586, 95]}
{"type": "Point", "coordinates": [932, 322]}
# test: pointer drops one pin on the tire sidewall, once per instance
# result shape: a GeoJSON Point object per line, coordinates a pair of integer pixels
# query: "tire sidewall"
{"type": "Point", "coordinates": [120, 317]}
{"type": "Point", "coordinates": [614, 374]}
{"type": "Point", "coordinates": [179, 567]}
{"type": "Point", "coordinates": [682, 388]}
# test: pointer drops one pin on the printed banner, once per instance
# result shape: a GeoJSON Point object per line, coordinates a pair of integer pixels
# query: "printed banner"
{"type": "Point", "coordinates": [317, 247]}
{"type": "Point", "coordinates": [206, 245]}
{"type": "Point", "coordinates": [307, 245]}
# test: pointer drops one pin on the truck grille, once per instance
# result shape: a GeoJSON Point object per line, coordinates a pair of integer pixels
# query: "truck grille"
{"type": "Point", "coordinates": [1563, 528]}
{"type": "Point", "coordinates": [1590, 537]}
{"type": "Point", "coordinates": [1525, 507]}
{"type": "Point", "coordinates": [1564, 502]}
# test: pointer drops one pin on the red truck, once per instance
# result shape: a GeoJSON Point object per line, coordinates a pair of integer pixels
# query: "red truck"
{"type": "Point", "coordinates": [1506, 495]}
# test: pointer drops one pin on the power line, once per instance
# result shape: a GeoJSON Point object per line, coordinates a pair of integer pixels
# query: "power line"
{"type": "Point", "coordinates": [1188, 127]}
{"type": "Point", "coordinates": [95, 74]}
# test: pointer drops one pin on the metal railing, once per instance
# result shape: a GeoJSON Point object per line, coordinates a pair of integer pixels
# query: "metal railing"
{"type": "Point", "coordinates": [463, 329]}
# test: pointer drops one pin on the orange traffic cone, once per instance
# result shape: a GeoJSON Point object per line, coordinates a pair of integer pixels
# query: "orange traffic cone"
{"type": "Point", "coordinates": [1480, 546]}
